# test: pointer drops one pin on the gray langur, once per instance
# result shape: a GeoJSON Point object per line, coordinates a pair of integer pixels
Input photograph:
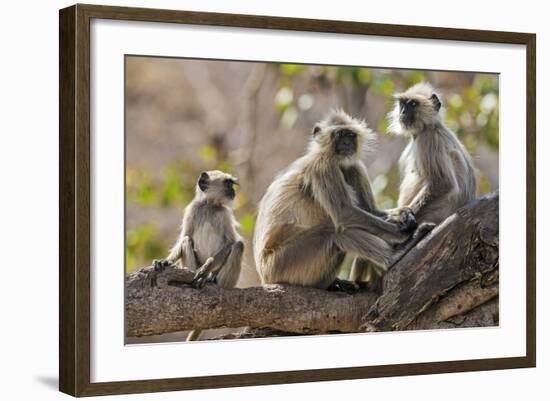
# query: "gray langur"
{"type": "Point", "coordinates": [209, 242]}
{"type": "Point", "coordinates": [322, 208]}
{"type": "Point", "coordinates": [437, 173]}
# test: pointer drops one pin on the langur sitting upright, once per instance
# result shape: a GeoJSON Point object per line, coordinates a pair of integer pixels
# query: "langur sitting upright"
{"type": "Point", "coordinates": [437, 174]}
{"type": "Point", "coordinates": [321, 208]}
{"type": "Point", "coordinates": [209, 242]}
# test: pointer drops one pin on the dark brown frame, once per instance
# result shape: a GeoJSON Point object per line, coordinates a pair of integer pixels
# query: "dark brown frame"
{"type": "Point", "coordinates": [74, 198]}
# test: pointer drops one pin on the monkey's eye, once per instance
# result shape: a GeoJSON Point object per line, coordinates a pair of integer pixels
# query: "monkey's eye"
{"type": "Point", "coordinates": [413, 103]}
{"type": "Point", "coordinates": [229, 183]}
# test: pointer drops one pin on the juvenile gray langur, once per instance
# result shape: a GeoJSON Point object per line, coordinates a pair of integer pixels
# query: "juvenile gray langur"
{"type": "Point", "coordinates": [209, 242]}
{"type": "Point", "coordinates": [437, 173]}
{"type": "Point", "coordinates": [321, 208]}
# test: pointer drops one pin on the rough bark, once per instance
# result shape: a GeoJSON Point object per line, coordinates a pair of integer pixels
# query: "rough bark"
{"type": "Point", "coordinates": [463, 248]}
{"type": "Point", "coordinates": [450, 279]}
{"type": "Point", "coordinates": [163, 302]}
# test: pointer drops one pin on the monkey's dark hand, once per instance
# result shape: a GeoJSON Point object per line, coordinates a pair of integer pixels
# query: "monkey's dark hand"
{"type": "Point", "coordinates": [160, 265]}
{"type": "Point", "coordinates": [203, 278]}
{"type": "Point", "coordinates": [205, 274]}
{"type": "Point", "coordinates": [199, 280]}
{"type": "Point", "coordinates": [404, 217]}
{"type": "Point", "coordinates": [408, 221]}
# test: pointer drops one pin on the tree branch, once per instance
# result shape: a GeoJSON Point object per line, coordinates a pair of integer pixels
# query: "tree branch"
{"type": "Point", "coordinates": [450, 279]}
{"type": "Point", "coordinates": [464, 247]}
{"type": "Point", "coordinates": [164, 302]}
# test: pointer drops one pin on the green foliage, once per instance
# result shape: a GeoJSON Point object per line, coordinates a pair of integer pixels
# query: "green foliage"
{"type": "Point", "coordinates": [472, 107]}
{"type": "Point", "coordinates": [208, 153]}
{"type": "Point", "coordinates": [473, 113]}
{"type": "Point", "coordinates": [483, 184]}
{"type": "Point", "coordinates": [177, 188]}
{"type": "Point", "coordinates": [224, 165]}
{"type": "Point", "coordinates": [284, 104]}
{"type": "Point", "coordinates": [415, 77]}
{"type": "Point", "coordinates": [386, 188]}
{"type": "Point", "coordinates": [142, 246]}
{"type": "Point", "coordinates": [383, 126]}
{"type": "Point", "coordinates": [247, 222]}
{"type": "Point", "coordinates": [383, 85]}
{"type": "Point", "coordinates": [354, 76]}
{"type": "Point", "coordinates": [292, 69]}
{"type": "Point", "coordinates": [174, 188]}
{"type": "Point", "coordinates": [284, 99]}
{"type": "Point", "coordinates": [141, 184]}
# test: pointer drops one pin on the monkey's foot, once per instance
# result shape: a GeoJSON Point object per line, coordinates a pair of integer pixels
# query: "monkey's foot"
{"type": "Point", "coordinates": [349, 287]}
{"type": "Point", "coordinates": [404, 247]}
{"type": "Point", "coordinates": [423, 229]}
{"type": "Point", "coordinates": [160, 265]}
{"type": "Point", "coordinates": [404, 217]}
{"type": "Point", "coordinates": [202, 278]}
{"type": "Point", "coordinates": [204, 274]}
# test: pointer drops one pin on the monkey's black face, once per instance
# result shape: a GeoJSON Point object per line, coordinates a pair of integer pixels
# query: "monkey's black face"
{"type": "Point", "coordinates": [407, 111]}
{"type": "Point", "coordinates": [217, 186]}
{"type": "Point", "coordinates": [344, 142]}
{"type": "Point", "coordinates": [229, 189]}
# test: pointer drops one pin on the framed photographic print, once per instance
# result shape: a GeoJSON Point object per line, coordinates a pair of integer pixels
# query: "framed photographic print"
{"type": "Point", "coordinates": [302, 198]}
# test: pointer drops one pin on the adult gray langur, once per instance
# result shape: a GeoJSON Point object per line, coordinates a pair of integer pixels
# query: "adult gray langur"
{"type": "Point", "coordinates": [322, 207]}
{"type": "Point", "coordinates": [437, 173]}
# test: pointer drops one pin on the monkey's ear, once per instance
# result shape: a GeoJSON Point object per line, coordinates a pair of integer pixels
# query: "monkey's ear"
{"type": "Point", "coordinates": [316, 130]}
{"type": "Point", "coordinates": [203, 181]}
{"type": "Point", "coordinates": [435, 102]}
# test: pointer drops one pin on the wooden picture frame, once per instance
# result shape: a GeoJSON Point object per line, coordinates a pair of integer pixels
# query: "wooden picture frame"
{"type": "Point", "coordinates": [75, 207]}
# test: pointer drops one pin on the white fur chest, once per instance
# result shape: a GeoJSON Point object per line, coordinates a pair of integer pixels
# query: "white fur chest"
{"type": "Point", "coordinates": [411, 178]}
{"type": "Point", "coordinates": [207, 240]}
{"type": "Point", "coordinates": [407, 165]}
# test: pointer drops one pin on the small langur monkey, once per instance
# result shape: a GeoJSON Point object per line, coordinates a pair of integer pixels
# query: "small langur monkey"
{"type": "Point", "coordinates": [209, 242]}
{"type": "Point", "coordinates": [437, 173]}
{"type": "Point", "coordinates": [322, 208]}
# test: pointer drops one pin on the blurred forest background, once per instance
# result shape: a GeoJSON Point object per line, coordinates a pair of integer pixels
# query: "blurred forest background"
{"type": "Point", "coordinates": [253, 119]}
